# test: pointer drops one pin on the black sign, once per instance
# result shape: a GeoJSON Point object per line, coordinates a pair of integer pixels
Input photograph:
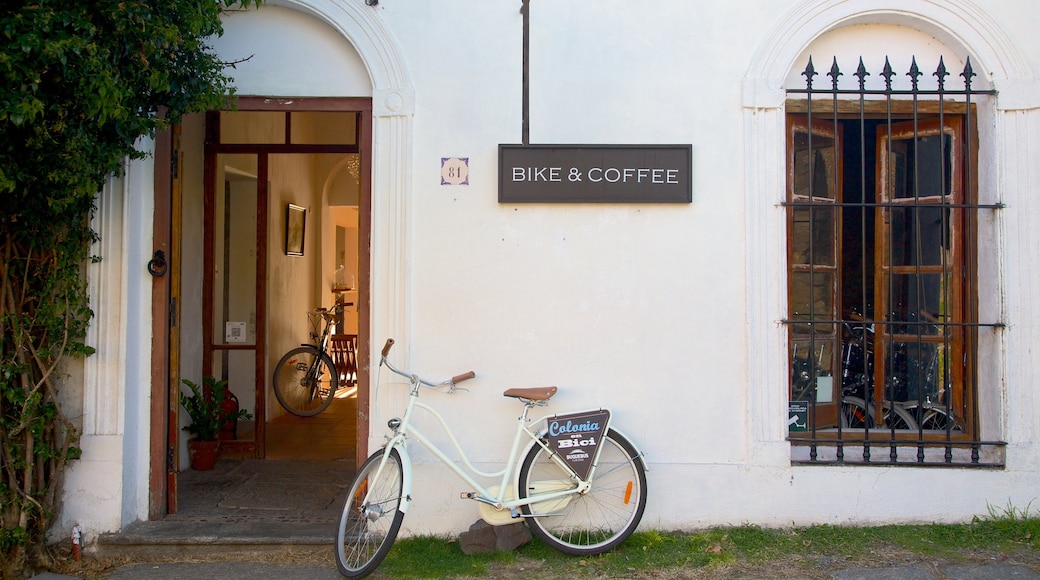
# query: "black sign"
{"type": "Point", "coordinates": [595, 174]}
{"type": "Point", "coordinates": [576, 437]}
{"type": "Point", "coordinates": [798, 415]}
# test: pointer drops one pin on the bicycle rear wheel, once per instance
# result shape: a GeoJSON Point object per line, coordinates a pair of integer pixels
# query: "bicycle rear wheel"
{"type": "Point", "coordinates": [896, 417]}
{"type": "Point", "coordinates": [598, 520]}
{"type": "Point", "coordinates": [367, 530]}
{"type": "Point", "coordinates": [305, 381]}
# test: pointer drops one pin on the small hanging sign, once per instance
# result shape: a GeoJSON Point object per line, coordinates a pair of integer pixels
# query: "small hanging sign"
{"type": "Point", "coordinates": [576, 437]}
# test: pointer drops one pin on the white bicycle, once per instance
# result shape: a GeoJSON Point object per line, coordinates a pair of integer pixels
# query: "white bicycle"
{"type": "Point", "coordinates": [581, 485]}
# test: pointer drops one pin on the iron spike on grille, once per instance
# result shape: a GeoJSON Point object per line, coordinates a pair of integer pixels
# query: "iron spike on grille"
{"type": "Point", "coordinates": [834, 74]}
{"type": "Point", "coordinates": [862, 74]}
{"type": "Point", "coordinates": [967, 74]}
{"type": "Point", "coordinates": [888, 73]}
{"type": "Point", "coordinates": [914, 74]}
{"type": "Point", "coordinates": [940, 74]}
{"type": "Point", "coordinates": [809, 73]}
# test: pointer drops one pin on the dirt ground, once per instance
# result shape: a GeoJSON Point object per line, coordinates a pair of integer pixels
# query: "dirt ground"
{"type": "Point", "coordinates": [817, 566]}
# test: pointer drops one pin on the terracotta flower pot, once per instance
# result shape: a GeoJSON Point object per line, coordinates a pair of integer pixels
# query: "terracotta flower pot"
{"type": "Point", "coordinates": [203, 454]}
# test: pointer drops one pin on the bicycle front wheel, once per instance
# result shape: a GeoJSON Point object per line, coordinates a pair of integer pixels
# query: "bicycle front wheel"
{"type": "Point", "coordinates": [855, 414]}
{"type": "Point", "coordinates": [367, 529]}
{"type": "Point", "coordinates": [305, 381]}
{"type": "Point", "coordinates": [593, 522]}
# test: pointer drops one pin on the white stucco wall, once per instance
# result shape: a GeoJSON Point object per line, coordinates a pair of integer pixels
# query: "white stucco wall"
{"type": "Point", "coordinates": [107, 488]}
{"type": "Point", "coordinates": [665, 313]}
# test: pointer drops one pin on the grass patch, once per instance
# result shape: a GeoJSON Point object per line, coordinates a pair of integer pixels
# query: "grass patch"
{"type": "Point", "coordinates": [436, 557]}
{"type": "Point", "coordinates": [1002, 531]}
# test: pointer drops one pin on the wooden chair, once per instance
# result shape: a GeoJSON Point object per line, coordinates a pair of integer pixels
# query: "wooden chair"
{"type": "Point", "coordinates": [344, 355]}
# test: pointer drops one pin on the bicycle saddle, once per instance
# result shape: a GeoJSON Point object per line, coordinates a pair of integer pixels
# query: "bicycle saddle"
{"type": "Point", "coordinates": [533, 394]}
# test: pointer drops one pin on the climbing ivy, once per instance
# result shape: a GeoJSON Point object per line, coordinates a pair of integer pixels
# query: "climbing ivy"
{"type": "Point", "coordinates": [80, 83]}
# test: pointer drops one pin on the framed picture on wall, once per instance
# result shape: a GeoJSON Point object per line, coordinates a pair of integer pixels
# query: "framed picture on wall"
{"type": "Point", "coordinates": [295, 222]}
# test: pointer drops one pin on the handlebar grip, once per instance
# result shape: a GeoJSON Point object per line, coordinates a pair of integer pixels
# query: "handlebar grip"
{"type": "Point", "coordinates": [386, 347]}
{"type": "Point", "coordinates": [463, 377]}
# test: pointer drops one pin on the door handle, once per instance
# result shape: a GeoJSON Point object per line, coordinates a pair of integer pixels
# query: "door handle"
{"type": "Point", "coordinates": [157, 266]}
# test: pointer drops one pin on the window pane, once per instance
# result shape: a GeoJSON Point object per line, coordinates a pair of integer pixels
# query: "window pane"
{"type": "Point", "coordinates": [256, 127]}
{"type": "Point", "coordinates": [812, 297]}
{"type": "Point", "coordinates": [235, 239]}
{"type": "Point", "coordinates": [813, 238]}
{"type": "Point", "coordinates": [812, 361]}
{"type": "Point", "coordinates": [324, 128]}
{"type": "Point", "coordinates": [814, 169]}
{"type": "Point", "coordinates": [238, 368]}
{"type": "Point", "coordinates": [919, 236]}
{"type": "Point", "coordinates": [920, 166]}
{"type": "Point", "coordinates": [914, 371]}
{"type": "Point", "coordinates": [917, 303]}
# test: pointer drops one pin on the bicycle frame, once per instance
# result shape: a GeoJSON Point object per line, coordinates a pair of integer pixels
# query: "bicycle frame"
{"type": "Point", "coordinates": [323, 320]}
{"type": "Point", "coordinates": [321, 327]}
{"type": "Point", "coordinates": [403, 429]}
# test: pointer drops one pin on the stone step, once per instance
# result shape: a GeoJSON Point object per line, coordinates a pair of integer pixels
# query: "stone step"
{"type": "Point", "coordinates": [218, 540]}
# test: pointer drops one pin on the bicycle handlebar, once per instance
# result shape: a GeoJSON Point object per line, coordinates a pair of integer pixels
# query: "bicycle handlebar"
{"type": "Point", "coordinates": [452, 381]}
{"type": "Point", "coordinates": [463, 377]}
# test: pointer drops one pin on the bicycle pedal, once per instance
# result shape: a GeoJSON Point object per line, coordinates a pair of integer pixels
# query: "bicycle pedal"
{"type": "Point", "coordinates": [468, 495]}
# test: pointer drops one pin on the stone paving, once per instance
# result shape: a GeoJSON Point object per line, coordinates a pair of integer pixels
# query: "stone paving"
{"type": "Point", "coordinates": [262, 504]}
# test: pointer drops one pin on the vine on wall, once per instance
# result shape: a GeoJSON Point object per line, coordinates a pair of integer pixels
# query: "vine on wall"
{"type": "Point", "coordinates": [81, 83]}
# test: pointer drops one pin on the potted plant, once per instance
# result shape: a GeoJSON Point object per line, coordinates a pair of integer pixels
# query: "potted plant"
{"type": "Point", "coordinates": [205, 407]}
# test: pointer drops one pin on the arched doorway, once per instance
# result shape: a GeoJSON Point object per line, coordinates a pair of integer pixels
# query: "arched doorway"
{"type": "Point", "coordinates": [380, 82]}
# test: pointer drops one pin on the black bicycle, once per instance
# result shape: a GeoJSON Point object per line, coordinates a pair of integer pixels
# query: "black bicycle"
{"type": "Point", "coordinates": [305, 380]}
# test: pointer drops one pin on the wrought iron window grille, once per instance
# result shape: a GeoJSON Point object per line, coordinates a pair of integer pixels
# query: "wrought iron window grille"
{"type": "Point", "coordinates": [883, 222]}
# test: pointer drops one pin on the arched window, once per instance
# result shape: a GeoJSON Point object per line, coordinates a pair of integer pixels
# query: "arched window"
{"type": "Point", "coordinates": [882, 264]}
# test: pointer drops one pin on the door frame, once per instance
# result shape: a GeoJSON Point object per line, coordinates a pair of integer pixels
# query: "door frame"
{"type": "Point", "coordinates": [164, 412]}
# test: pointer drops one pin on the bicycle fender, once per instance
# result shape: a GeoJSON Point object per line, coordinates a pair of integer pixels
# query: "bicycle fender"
{"type": "Point", "coordinates": [639, 452]}
{"type": "Point", "coordinates": [406, 478]}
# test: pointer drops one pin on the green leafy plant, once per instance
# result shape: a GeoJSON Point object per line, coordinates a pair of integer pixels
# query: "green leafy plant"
{"type": "Point", "coordinates": [80, 83]}
{"type": "Point", "coordinates": [205, 407]}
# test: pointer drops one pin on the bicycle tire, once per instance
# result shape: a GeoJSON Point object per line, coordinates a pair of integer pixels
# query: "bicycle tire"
{"type": "Point", "coordinates": [367, 532]}
{"type": "Point", "coordinates": [934, 418]}
{"type": "Point", "coordinates": [855, 414]}
{"type": "Point", "coordinates": [598, 520]}
{"type": "Point", "coordinates": [898, 418]}
{"type": "Point", "coordinates": [295, 390]}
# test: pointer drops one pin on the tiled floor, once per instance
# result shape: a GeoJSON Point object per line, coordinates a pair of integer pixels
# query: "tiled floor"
{"type": "Point", "coordinates": [330, 435]}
